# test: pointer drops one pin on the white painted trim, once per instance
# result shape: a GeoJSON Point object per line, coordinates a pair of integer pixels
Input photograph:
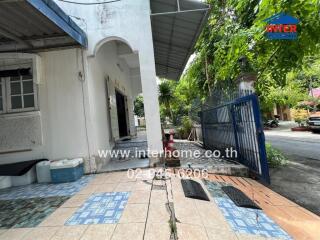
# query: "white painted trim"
{"type": "Point", "coordinates": [36, 62]}
{"type": "Point", "coordinates": [109, 39]}
{"type": "Point", "coordinates": [20, 114]}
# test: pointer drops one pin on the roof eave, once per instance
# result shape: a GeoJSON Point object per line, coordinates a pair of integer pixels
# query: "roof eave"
{"type": "Point", "coordinates": [176, 27]}
{"type": "Point", "coordinates": [52, 11]}
{"type": "Point", "coordinates": [203, 22]}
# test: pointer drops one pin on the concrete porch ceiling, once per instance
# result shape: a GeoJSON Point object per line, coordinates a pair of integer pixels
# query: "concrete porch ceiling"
{"type": "Point", "coordinates": [132, 59]}
{"type": "Point", "coordinates": [176, 26]}
{"type": "Point", "coordinates": [33, 25]}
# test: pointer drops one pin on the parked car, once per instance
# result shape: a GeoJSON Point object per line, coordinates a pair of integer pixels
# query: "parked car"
{"type": "Point", "coordinates": [314, 122]}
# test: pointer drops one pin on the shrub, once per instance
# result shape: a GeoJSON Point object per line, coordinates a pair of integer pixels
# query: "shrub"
{"type": "Point", "coordinates": [275, 157]}
{"type": "Point", "coordinates": [300, 116]}
{"type": "Point", "coordinates": [186, 127]}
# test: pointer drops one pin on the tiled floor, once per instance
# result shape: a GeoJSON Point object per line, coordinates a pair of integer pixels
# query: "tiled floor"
{"type": "Point", "coordinates": [117, 165]}
{"type": "Point", "coordinates": [295, 220]}
{"type": "Point", "coordinates": [100, 208]}
{"type": "Point", "coordinates": [27, 206]}
{"type": "Point", "coordinates": [59, 217]}
{"type": "Point", "coordinates": [26, 213]}
{"type": "Point", "coordinates": [44, 190]}
{"type": "Point", "coordinates": [245, 220]}
{"type": "Point", "coordinates": [134, 147]}
{"type": "Point", "coordinates": [144, 214]}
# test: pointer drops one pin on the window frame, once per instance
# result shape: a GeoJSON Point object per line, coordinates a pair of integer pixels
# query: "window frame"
{"type": "Point", "coordinates": [35, 63]}
{"type": "Point", "coordinates": [7, 103]}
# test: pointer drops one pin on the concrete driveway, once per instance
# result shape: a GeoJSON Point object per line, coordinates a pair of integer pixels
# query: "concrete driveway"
{"type": "Point", "coordinates": [300, 179]}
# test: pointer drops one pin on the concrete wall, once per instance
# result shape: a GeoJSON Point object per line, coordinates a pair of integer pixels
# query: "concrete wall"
{"type": "Point", "coordinates": [61, 110]}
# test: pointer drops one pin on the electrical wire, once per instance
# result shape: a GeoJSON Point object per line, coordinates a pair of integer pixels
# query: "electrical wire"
{"type": "Point", "coordinates": [88, 3]}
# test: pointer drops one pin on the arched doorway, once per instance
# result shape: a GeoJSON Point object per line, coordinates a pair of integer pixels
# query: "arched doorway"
{"type": "Point", "coordinates": [118, 74]}
{"type": "Point", "coordinates": [119, 65]}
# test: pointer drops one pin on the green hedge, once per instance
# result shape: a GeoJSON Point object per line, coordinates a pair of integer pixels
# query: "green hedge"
{"type": "Point", "coordinates": [275, 157]}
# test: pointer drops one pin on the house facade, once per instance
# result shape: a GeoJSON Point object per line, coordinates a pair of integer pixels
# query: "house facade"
{"type": "Point", "coordinates": [69, 73]}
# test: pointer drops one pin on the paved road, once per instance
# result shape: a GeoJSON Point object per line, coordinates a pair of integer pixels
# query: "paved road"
{"type": "Point", "coordinates": [300, 179]}
{"type": "Point", "coordinates": [299, 144]}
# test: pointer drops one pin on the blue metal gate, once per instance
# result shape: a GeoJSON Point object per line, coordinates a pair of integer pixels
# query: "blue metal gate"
{"type": "Point", "coordinates": [237, 125]}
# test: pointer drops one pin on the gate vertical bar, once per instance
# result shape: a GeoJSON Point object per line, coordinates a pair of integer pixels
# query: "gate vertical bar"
{"type": "Point", "coordinates": [234, 123]}
{"type": "Point", "coordinates": [237, 124]}
{"type": "Point", "coordinates": [261, 140]}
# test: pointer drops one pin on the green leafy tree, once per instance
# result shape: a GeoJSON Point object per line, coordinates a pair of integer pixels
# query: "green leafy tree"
{"type": "Point", "coordinates": [236, 28]}
{"type": "Point", "coordinates": [310, 74]}
{"type": "Point", "coordinates": [290, 94]}
{"type": "Point", "coordinates": [166, 97]}
{"type": "Point", "coordinates": [139, 106]}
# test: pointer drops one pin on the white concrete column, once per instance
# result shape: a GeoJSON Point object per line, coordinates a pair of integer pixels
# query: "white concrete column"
{"type": "Point", "coordinates": [149, 82]}
{"type": "Point", "coordinates": [150, 96]}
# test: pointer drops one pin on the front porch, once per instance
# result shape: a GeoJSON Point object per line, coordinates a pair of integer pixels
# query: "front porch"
{"type": "Point", "coordinates": [133, 160]}
{"type": "Point", "coordinates": [132, 153]}
{"type": "Point", "coordinates": [141, 206]}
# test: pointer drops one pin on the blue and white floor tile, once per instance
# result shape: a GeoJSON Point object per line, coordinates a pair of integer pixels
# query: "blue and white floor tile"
{"type": "Point", "coordinates": [100, 208]}
{"type": "Point", "coordinates": [245, 220]}
{"type": "Point", "coordinates": [45, 190]}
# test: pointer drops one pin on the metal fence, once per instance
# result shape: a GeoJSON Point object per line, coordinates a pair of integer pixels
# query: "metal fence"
{"type": "Point", "coordinates": [237, 124]}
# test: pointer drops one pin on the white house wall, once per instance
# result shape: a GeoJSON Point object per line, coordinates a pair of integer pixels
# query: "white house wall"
{"type": "Point", "coordinates": [129, 21]}
{"type": "Point", "coordinates": [61, 99]}
{"type": "Point", "coordinates": [67, 136]}
{"type": "Point", "coordinates": [61, 109]}
{"type": "Point", "coordinates": [66, 132]}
